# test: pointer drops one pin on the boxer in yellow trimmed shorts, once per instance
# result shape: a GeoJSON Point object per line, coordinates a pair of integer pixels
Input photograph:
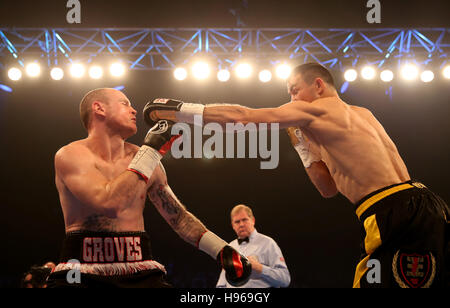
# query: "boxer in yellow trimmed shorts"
{"type": "Point", "coordinates": [404, 227]}
{"type": "Point", "coordinates": [345, 149]}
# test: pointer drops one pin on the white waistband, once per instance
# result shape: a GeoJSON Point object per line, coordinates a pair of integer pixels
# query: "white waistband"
{"type": "Point", "coordinates": [110, 269]}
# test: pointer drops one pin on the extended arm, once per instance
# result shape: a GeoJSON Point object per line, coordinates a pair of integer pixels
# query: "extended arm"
{"type": "Point", "coordinates": [298, 113]}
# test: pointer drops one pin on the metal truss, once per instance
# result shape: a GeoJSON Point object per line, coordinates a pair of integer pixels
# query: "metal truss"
{"type": "Point", "coordinates": [166, 48]}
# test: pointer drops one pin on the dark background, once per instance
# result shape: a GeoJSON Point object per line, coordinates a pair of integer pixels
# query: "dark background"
{"type": "Point", "coordinates": [216, 13]}
{"type": "Point", "coordinates": [319, 237]}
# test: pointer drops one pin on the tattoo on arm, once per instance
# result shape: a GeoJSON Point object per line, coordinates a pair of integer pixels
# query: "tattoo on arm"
{"type": "Point", "coordinates": [186, 225]}
{"type": "Point", "coordinates": [167, 202]}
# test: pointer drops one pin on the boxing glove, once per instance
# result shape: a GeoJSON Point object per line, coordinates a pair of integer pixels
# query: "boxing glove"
{"type": "Point", "coordinates": [157, 143]}
{"type": "Point", "coordinates": [178, 111]}
{"type": "Point", "coordinates": [237, 267]}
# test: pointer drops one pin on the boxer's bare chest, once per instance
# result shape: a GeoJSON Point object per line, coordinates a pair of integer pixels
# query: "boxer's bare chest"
{"type": "Point", "coordinates": [112, 169]}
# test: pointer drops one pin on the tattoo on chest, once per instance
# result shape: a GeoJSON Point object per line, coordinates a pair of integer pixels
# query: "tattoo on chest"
{"type": "Point", "coordinates": [99, 222]}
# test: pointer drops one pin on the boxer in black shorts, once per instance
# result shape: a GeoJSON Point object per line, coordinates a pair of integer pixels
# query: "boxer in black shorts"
{"type": "Point", "coordinates": [103, 182]}
{"type": "Point", "coordinates": [405, 227]}
{"type": "Point", "coordinates": [107, 259]}
{"type": "Point", "coordinates": [344, 149]}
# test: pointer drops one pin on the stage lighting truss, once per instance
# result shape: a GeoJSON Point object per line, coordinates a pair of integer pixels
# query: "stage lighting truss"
{"type": "Point", "coordinates": [167, 48]}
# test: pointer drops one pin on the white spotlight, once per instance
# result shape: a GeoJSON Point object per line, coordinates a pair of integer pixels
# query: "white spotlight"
{"type": "Point", "coordinates": [14, 73]}
{"type": "Point", "coordinates": [200, 70]}
{"type": "Point", "coordinates": [223, 75]}
{"type": "Point", "coordinates": [96, 72]}
{"type": "Point", "coordinates": [180, 73]}
{"type": "Point", "coordinates": [283, 71]}
{"type": "Point", "coordinates": [409, 72]}
{"type": "Point", "coordinates": [243, 70]}
{"type": "Point", "coordinates": [350, 75]}
{"type": "Point", "coordinates": [77, 70]}
{"type": "Point", "coordinates": [386, 75]}
{"type": "Point", "coordinates": [446, 72]}
{"type": "Point", "coordinates": [57, 73]}
{"type": "Point", "coordinates": [117, 69]}
{"type": "Point", "coordinates": [265, 76]}
{"type": "Point", "coordinates": [33, 69]}
{"type": "Point", "coordinates": [368, 72]}
{"type": "Point", "coordinates": [427, 76]}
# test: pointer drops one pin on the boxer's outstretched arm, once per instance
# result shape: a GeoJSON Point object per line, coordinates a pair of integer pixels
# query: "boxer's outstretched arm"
{"type": "Point", "coordinates": [80, 176]}
{"type": "Point", "coordinates": [185, 224]}
{"type": "Point", "coordinates": [297, 113]}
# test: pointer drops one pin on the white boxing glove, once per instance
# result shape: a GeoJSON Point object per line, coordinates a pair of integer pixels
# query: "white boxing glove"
{"type": "Point", "coordinates": [307, 151]}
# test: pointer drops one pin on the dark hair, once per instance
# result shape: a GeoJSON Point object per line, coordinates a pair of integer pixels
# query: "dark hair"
{"type": "Point", "coordinates": [311, 71]}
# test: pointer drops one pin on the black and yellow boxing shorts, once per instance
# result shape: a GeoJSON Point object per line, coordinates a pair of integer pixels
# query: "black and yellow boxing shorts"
{"type": "Point", "coordinates": [404, 238]}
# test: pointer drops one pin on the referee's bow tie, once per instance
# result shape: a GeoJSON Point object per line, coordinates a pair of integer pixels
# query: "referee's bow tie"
{"type": "Point", "coordinates": [241, 240]}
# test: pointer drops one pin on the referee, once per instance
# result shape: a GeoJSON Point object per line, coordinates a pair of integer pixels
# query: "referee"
{"type": "Point", "coordinates": [269, 269]}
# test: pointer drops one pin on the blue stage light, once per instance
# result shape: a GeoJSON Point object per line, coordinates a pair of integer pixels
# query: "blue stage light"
{"type": "Point", "coordinates": [5, 88]}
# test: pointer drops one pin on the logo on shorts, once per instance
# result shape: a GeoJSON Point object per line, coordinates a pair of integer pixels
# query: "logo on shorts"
{"type": "Point", "coordinates": [418, 185]}
{"type": "Point", "coordinates": [414, 270]}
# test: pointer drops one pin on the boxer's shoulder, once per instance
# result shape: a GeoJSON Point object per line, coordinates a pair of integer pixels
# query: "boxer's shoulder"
{"type": "Point", "coordinates": [75, 148]}
{"type": "Point", "coordinates": [73, 153]}
{"type": "Point", "coordinates": [131, 149]}
{"type": "Point", "coordinates": [329, 102]}
{"type": "Point", "coordinates": [367, 116]}
{"type": "Point", "coordinates": [361, 110]}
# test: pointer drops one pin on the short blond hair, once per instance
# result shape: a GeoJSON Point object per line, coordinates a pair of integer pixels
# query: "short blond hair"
{"type": "Point", "coordinates": [241, 207]}
{"type": "Point", "coordinates": [86, 104]}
